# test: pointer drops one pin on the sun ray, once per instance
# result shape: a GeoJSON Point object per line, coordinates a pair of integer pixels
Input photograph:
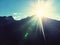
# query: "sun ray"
{"type": "Point", "coordinates": [42, 9]}
{"type": "Point", "coordinates": [40, 12]}
{"type": "Point", "coordinates": [41, 25]}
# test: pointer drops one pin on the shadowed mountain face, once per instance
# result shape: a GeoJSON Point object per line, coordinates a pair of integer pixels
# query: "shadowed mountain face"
{"type": "Point", "coordinates": [27, 32]}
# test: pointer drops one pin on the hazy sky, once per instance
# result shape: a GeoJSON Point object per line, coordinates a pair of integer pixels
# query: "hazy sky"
{"type": "Point", "coordinates": [21, 7]}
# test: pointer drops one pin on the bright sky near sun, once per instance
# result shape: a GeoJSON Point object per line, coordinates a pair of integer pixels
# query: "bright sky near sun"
{"type": "Point", "coordinates": [23, 8]}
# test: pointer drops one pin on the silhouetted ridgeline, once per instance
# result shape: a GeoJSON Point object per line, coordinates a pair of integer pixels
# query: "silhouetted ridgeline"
{"type": "Point", "coordinates": [26, 32]}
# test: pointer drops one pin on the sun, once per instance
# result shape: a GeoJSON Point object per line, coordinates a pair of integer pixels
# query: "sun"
{"type": "Point", "coordinates": [41, 12]}
{"type": "Point", "coordinates": [41, 9]}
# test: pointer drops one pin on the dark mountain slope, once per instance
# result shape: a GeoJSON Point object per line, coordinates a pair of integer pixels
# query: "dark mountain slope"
{"type": "Point", "coordinates": [27, 32]}
{"type": "Point", "coordinates": [52, 31]}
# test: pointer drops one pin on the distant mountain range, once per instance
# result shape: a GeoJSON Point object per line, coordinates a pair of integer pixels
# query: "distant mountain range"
{"type": "Point", "coordinates": [27, 32]}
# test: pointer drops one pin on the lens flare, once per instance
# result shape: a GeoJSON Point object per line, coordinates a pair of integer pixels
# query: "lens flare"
{"type": "Point", "coordinates": [42, 9]}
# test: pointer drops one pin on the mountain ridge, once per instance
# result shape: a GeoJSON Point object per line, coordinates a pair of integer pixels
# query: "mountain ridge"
{"type": "Point", "coordinates": [13, 32]}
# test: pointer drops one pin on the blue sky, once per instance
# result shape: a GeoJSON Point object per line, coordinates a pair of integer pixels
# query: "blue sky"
{"type": "Point", "coordinates": [22, 7]}
{"type": "Point", "coordinates": [8, 7]}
